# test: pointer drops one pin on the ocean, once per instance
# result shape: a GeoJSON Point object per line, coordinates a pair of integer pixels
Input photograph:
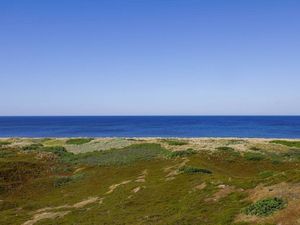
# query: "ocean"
{"type": "Point", "coordinates": [151, 126]}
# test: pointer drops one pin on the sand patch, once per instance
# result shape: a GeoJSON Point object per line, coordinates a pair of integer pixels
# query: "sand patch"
{"type": "Point", "coordinates": [224, 190]}
{"type": "Point", "coordinates": [173, 171]}
{"type": "Point", "coordinates": [45, 215]}
{"type": "Point", "coordinates": [113, 187]}
{"type": "Point", "coordinates": [200, 186]}
{"type": "Point", "coordinates": [142, 178]}
{"type": "Point", "coordinates": [85, 202]}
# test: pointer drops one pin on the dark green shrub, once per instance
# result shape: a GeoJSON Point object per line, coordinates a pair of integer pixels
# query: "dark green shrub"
{"type": "Point", "coordinates": [78, 141]}
{"type": "Point", "coordinates": [225, 148]}
{"type": "Point", "coordinates": [254, 156]}
{"type": "Point", "coordinates": [32, 147]}
{"type": "Point", "coordinates": [255, 148]}
{"type": "Point", "coordinates": [264, 207]}
{"type": "Point", "coordinates": [175, 154]}
{"type": "Point", "coordinates": [175, 142]}
{"type": "Point", "coordinates": [60, 181]}
{"type": "Point", "coordinates": [193, 170]}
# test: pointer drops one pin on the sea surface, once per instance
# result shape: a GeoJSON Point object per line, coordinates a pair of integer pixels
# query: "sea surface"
{"type": "Point", "coordinates": [151, 126]}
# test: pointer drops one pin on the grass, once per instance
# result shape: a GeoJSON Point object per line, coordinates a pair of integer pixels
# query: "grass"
{"type": "Point", "coordinates": [29, 183]}
{"type": "Point", "coordinates": [194, 170]}
{"type": "Point", "coordinates": [124, 156]}
{"type": "Point", "coordinates": [78, 141]}
{"type": "Point", "coordinates": [287, 143]}
{"type": "Point", "coordinates": [175, 142]}
{"type": "Point", "coordinates": [265, 207]}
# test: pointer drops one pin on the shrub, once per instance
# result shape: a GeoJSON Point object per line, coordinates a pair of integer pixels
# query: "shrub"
{"type": "Point", "coordinates": [175, 142]}
{"type": "Point", "coordinates": [193, 170]}
{"type": "Point", "coordinates": [78, 141]}
{"type": "Point", "coordinates": [57, 150]}
{"type": "Point", "coordinates": [254, 156]}
{"type": "Point", "coordinates": [225, 148]}
{"type": "Point", "coordinates": [287, 143]}
{"type": "Point", "coordinates": [253, 148]}
{"type": "Point", "coordinates": [60, 181]}
{"type": "Point", "coordinates": [175, 154]}
{"type": "Point", "coordinates": [32, 147]}
{"type": "Point", "coordinates": [264, 207]}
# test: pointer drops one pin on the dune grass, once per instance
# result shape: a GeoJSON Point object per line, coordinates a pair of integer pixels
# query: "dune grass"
{"type": "Point", "coordinates": [295, 144]}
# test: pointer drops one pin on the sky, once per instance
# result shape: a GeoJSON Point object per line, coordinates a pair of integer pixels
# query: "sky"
{"type": "Point", "coordinates": [139, 57]}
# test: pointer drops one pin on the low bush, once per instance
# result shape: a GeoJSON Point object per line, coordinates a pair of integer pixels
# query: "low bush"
{"type": "Point", "coordinates": [254, 156]}
{"type": "Point", "coordinates": [264, 207]}
{"type": "Point", "coordinates": [225, 148]}
{"type": "Point", "coordinates": [184, 153]}
{"type": "Point", "coordinates": [32, 147]}
{"type": "Point", "coordinates": [60, 181]}
{"type": "Point", "coordinates": [78, 141]}
{"type": "Point", "coordinates": [175, 142]}
{"type": "Point", "coordinates": [193, 170]}
{"type": "Point", "coordinates": [253, 148]}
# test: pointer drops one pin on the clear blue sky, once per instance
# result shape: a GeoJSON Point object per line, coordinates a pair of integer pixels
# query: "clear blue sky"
{"type": "Point", "coordinates": [138, 57]}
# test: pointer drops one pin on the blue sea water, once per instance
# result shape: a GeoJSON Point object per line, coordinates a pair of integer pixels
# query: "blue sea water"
{"type": "Point", "coordinates": [151, 126]}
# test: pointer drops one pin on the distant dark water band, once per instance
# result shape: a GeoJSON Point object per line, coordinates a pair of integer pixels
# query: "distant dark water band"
{"type": "Point", "coordinates": [152, 126]}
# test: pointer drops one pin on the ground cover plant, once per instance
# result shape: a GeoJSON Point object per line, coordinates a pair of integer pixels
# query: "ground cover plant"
{"type": "Point", "coordinates": [265, 207]}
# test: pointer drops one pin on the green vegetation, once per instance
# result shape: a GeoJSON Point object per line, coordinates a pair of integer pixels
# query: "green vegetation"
{"type": "Point", "coordinates": [185, 153]}
{"type": "Point", "coordinates": [264, 207]}
{"type": "Point", "coordinates": [287, 143]}
{"type": "Point", "coordinates": [175, 142]}
{"type": "Point", "coordinates": [146, 182]}
{"type": "Point", "coordinates": [193, 170]}
{"type": "Point", "coordinates": [3, 143]}
{"type": "Point", "coordinates": [225, 148]}
{"type": "Point", "coordinates": [127, 155]}
{"type": "Point", "coordinates": [78, 141]}
{"type": "Point", "coordinates": [63, 180]}
{"type": "Point", "coordinates": [254, 148]}
{"type": "Point", "coordinates": [254, 156]}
